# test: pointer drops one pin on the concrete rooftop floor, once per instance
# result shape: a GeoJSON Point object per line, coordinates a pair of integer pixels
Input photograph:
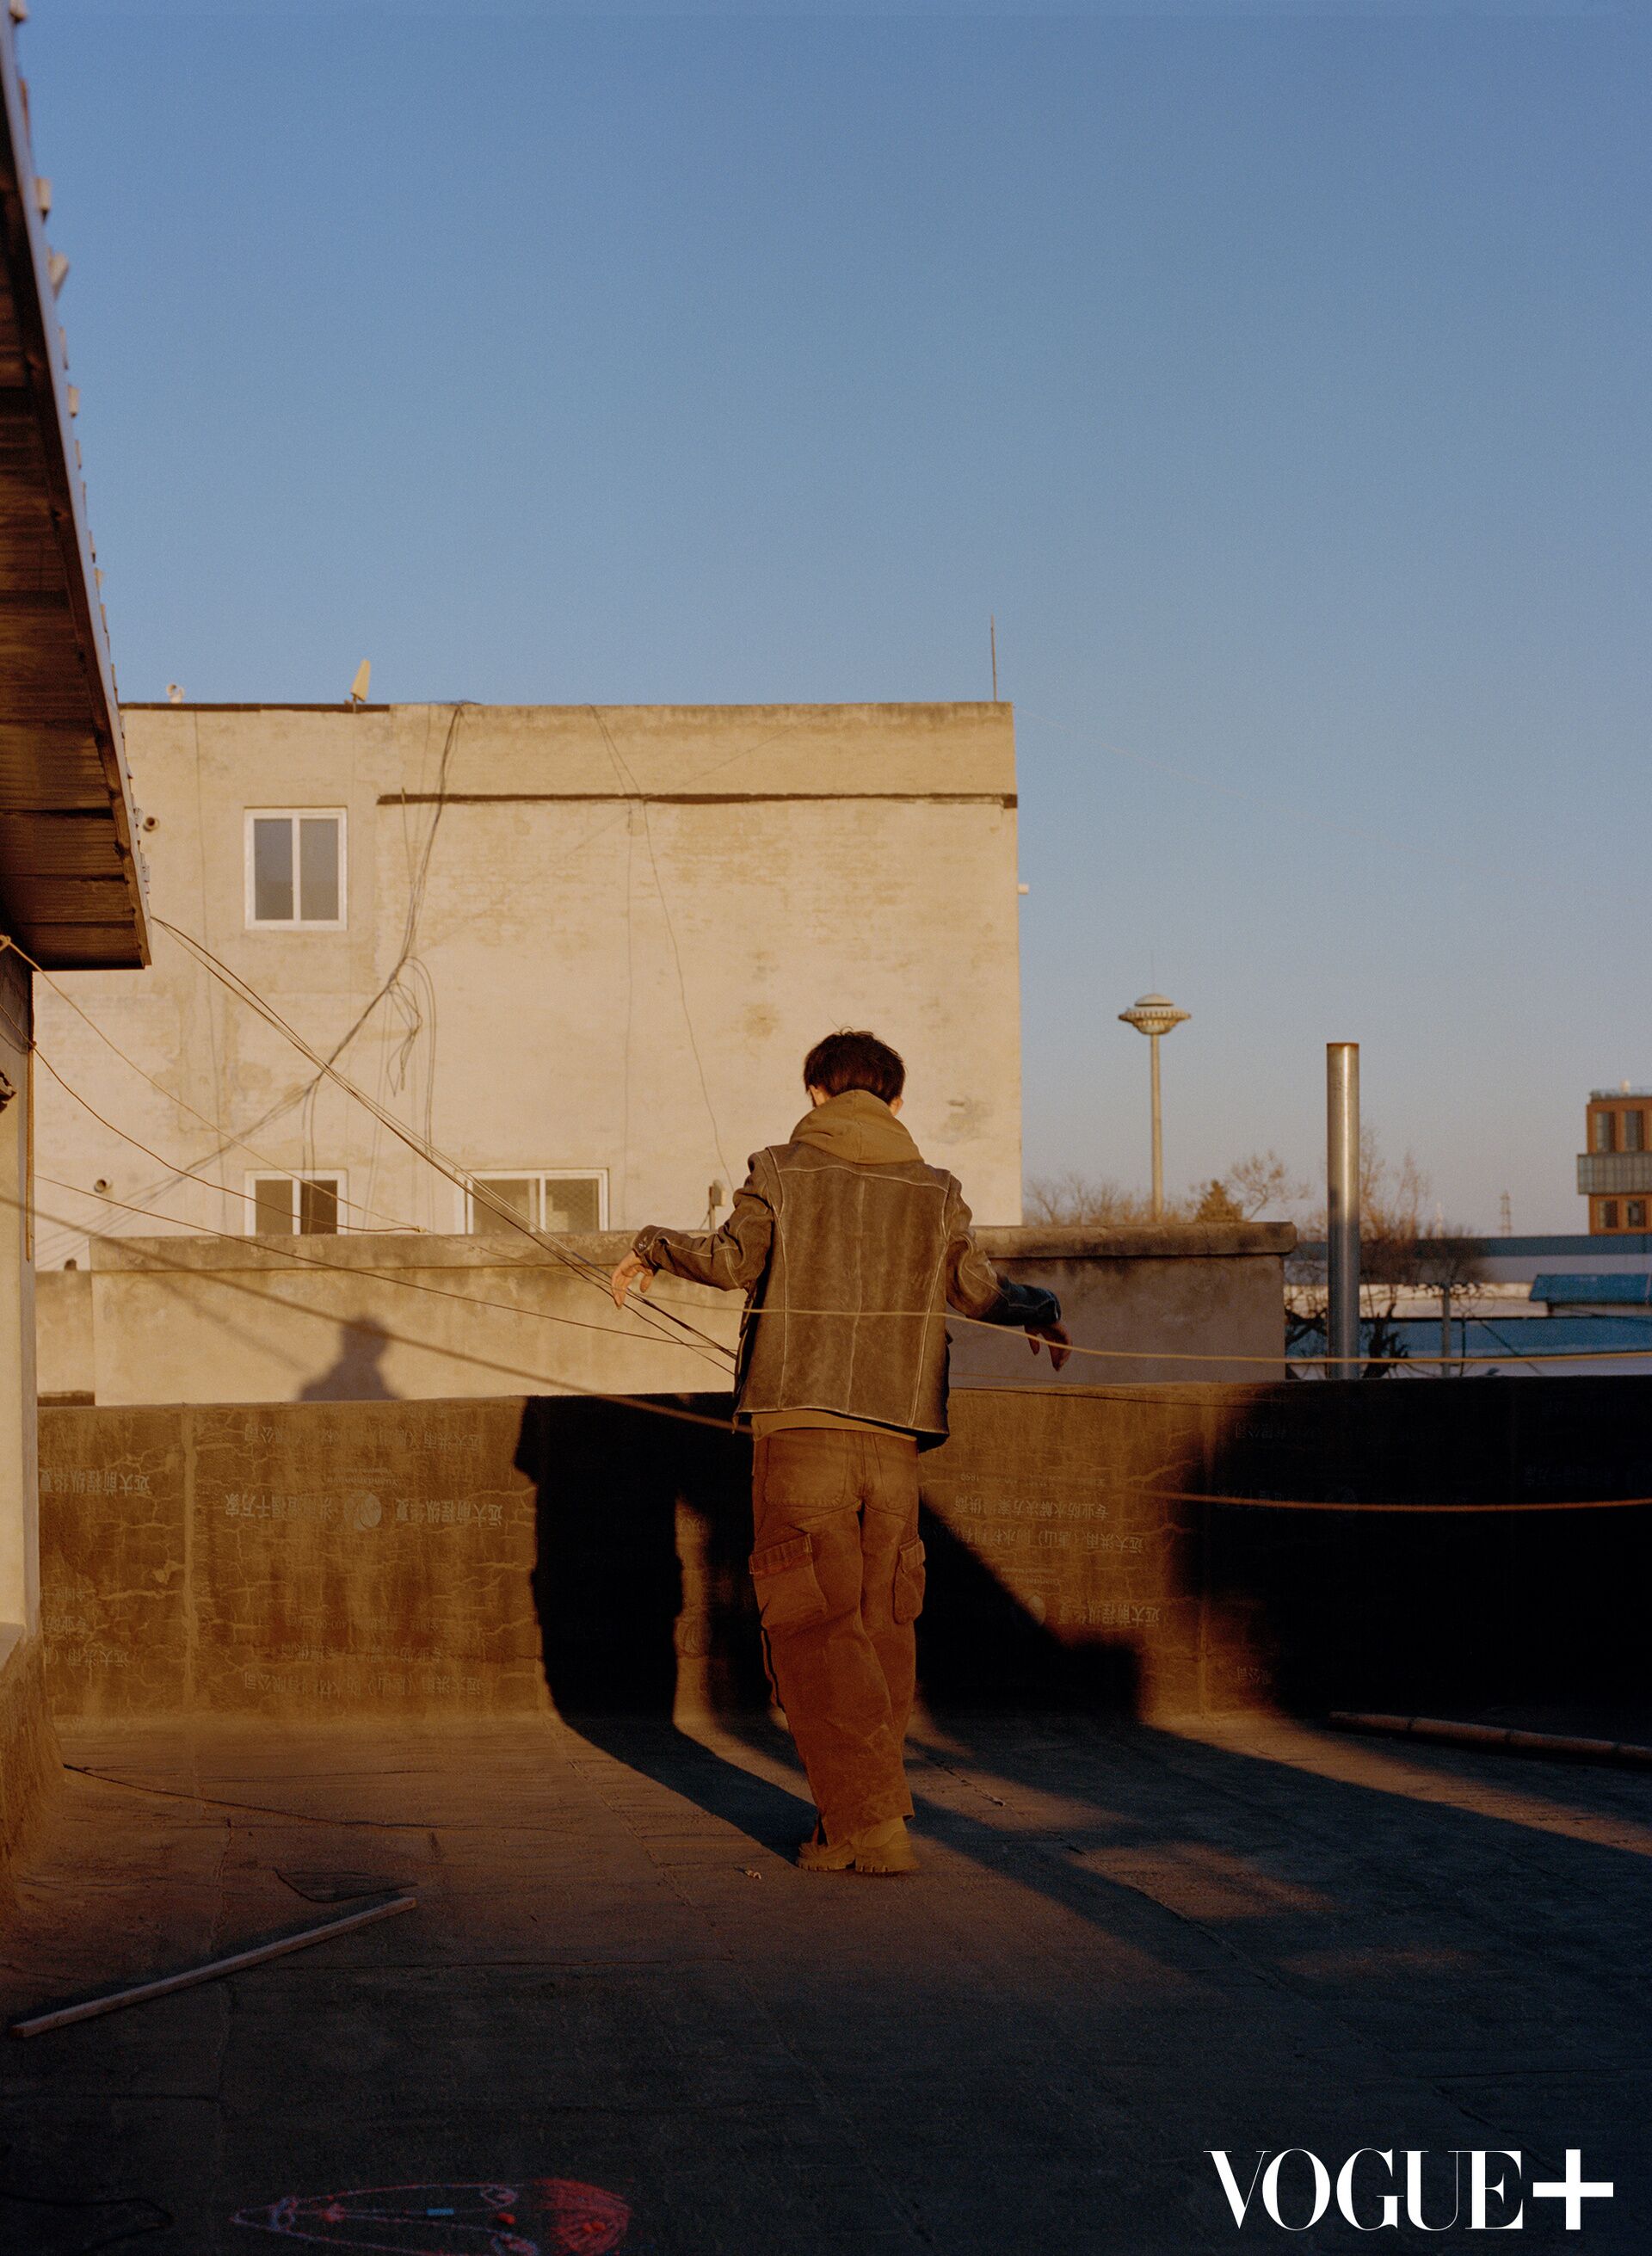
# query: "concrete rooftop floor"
{"type": "Point", "coordinates": [1128, 1946]}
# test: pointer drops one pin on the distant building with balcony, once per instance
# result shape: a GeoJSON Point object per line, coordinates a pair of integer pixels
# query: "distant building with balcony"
{"type": "Point", "coordinates": [1614, 1173]}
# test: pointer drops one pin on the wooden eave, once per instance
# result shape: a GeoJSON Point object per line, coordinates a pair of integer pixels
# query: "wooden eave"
{"type": "Point", "coordinates": [71, 887]}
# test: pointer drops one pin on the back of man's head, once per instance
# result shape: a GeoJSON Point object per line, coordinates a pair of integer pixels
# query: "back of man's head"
{"type": "Point", "coordinates": [854, 1060]}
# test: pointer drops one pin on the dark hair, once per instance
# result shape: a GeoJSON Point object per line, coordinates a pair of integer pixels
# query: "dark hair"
{"type": "Point", "coordinates": [849, 1059]}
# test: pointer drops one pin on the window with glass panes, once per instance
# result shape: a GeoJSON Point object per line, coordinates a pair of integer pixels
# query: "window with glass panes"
{"type": "Point", "coordinates": [551, 1199]}
{"type": "Point", "coordinates": [295, 866]}
{"type": "Point", "coordinates": [287, 1206]}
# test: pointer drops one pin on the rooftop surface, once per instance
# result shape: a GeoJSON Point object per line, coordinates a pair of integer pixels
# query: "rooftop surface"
{"type": "Point", "coordinates": [1128, 1946]}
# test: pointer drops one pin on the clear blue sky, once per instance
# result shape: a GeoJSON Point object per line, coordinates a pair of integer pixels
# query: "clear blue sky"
{"type": "Point", "coordinates": [1280, 380]}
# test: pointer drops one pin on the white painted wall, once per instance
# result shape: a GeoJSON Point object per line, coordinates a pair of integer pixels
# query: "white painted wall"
{"type": "Point", "coordinates": [635, 923]}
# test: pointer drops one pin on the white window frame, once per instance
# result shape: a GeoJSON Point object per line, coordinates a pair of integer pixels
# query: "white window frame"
{"type": "Point", "coordinates": [295, 923]}
{"type": "Point", "coordinates": [256, 1176]}
{"type": "Point", "coordinates": [540, 1175]}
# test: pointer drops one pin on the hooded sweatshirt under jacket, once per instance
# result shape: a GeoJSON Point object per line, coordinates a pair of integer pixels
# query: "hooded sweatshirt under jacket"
{"type": "Point", "coordinates": [850, 1249]}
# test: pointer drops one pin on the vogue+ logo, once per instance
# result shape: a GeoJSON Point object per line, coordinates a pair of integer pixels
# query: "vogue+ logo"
{"type": "Point", "coordinates": [1295, 2188]}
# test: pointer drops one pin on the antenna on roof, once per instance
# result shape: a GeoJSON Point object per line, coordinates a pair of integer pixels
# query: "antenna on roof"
{"type": "Point", "coordinates": [359, 687]}
{"type": "Point", "coordinates": [992, 632]}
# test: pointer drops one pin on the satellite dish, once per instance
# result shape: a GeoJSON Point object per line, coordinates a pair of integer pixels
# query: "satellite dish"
{"type": "Point", "coordinates": [359, 687]}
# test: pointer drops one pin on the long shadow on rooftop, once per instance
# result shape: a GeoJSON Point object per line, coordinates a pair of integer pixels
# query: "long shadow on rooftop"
{"type": "Point", "coordinates": [637, 1513]}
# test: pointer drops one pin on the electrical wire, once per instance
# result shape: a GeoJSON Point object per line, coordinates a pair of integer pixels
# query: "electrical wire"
{"type": "Point", "coordinates": [180, 1222]}
{"type": "Point", "coordinates": [218, 1127]}
{"type": "Point", "coordinates": [413, 1007]}
{"type": "Point", "coordinates": [639, 1306]}
{"type": "Point", "coordinates": [252, 999]}
{"type": "Point", "coordinates": [1400, 1363]}
{"type": "Point", "coordinates": [1377, 1504]}
{"type": "Point", "coordinates": [256, 1808]}
{"type": "Point", "coordinates": [700, 775]}
{"type": "Point", "coordinates": [675, 1412]}
{"type": "Point", "coordinates": [404, 997]}
{"type": "Point", "coordinates": [628, 779]}
{"type": "Point", "coordinates": [249, 996]}
{"type": "Point", "coordinates": [643, 1402]}
{"type": "Point", "coordinates": [176, 1174]}
{"type": "Point", "coordinates": [340, 1269]}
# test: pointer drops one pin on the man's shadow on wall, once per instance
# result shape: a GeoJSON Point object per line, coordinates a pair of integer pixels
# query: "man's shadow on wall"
{"type": "Point", "coordinates": [354, 1375]}
{"type": "Point", "coordinates": [623, 1494]}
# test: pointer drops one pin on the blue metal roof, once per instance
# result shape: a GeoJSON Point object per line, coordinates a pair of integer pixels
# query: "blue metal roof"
{"type": "Point", "coordinates": [1625, 1287]}
{"type": "Point", "coordinates": [1578, 1246]}
{"type": "Point", "coordinates": [1518, 1345]}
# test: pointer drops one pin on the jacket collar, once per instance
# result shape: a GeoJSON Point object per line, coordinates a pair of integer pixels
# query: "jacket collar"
{"type": "Point", "coordinates": [857, 1127]}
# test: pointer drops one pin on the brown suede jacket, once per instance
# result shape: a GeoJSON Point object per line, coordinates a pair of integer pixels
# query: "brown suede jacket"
{"type": "Point", "coordinates": [850, 1249]}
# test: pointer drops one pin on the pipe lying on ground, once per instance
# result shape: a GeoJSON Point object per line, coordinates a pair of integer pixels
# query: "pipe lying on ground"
{"type": "Point", "coordinates": [1552, 1743]}
{"type": "Point", "coordinates": [136, 1993]}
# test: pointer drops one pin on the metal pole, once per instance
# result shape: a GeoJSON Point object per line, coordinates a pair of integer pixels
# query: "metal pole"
{"type": "Point", "coordinates": [135, 1992]}
{"type": "Point", "coordinates": [1342, 1213]}
{"type": "Point", "coordinates": [1445, 1326]}
{"type": "Point", "coordinates": [1158, 1136]}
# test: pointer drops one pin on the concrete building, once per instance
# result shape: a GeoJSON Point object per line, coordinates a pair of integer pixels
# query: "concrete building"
{"type": "Point", "coordinates": [71, 893]}
{"type": "Point", "coordinates": [579, 952]}
{"type": "Point", "coordinates": [1614, 1170]}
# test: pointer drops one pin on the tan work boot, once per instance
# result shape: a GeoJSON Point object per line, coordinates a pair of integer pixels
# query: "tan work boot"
{"type": "Point", "coordinates": [881, 1850]}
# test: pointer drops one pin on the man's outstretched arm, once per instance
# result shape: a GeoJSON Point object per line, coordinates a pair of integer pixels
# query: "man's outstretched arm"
{"type": "Point", "coordinates": [975, 1288]}
{"type": "Point", "coordinates": [732, 1259]}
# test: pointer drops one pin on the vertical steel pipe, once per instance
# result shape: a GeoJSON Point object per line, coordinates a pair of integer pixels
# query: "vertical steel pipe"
{"type": "Point", "coordinates": [1341, 1211]}
{"type": "Point", "coordinates": [1158, 1136]}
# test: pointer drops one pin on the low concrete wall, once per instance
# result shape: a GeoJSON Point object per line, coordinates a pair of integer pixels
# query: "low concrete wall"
{"type": "Point", "coordinates": [430, 1318]}
{"type": "Point", "coordinates": [463, 1558]}
{"type": "Point", "coordinates": [1145, 1303]}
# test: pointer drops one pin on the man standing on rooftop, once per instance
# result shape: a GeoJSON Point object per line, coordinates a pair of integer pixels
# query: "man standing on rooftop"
{"type": "Point", "coordinates": [850, 1249]}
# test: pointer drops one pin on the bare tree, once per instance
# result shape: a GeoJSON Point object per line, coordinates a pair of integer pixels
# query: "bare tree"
{"type": "Point", "coordinates": [1073, 1199]}
{"type": "Point", "coordinates": [1218, 1204]}
{"type": "Point", "coordinates": [1402, 1253]}
{"type": "Point", "coordinates": [1261, 1180]}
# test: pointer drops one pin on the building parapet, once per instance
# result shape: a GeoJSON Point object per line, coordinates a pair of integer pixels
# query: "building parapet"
{"type": "Point", "coordinates": [375, 1317]}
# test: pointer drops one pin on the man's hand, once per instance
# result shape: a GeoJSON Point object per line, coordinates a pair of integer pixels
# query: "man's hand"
{"type": "Point", "coordinates": [1053, 1336]}
{"type": "Point", "coordinates": [631, 1271]}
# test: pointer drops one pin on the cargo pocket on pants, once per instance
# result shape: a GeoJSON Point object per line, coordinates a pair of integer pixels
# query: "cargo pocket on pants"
{"type": "Point", "coordinates": [788, 1594]}
{"type": "Point", "coordinates": [909, 1595]}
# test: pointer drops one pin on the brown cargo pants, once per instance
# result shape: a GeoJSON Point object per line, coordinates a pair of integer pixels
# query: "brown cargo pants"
{"type": "Point", "coordinates": [839, 1574]}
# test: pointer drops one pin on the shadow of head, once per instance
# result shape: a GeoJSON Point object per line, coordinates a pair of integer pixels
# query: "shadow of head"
{"type": "Point", "coordinates": [354, 1375]}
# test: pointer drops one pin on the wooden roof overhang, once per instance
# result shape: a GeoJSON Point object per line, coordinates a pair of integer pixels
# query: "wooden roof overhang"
{"type": "Point", "coordinates": [71, 884]}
